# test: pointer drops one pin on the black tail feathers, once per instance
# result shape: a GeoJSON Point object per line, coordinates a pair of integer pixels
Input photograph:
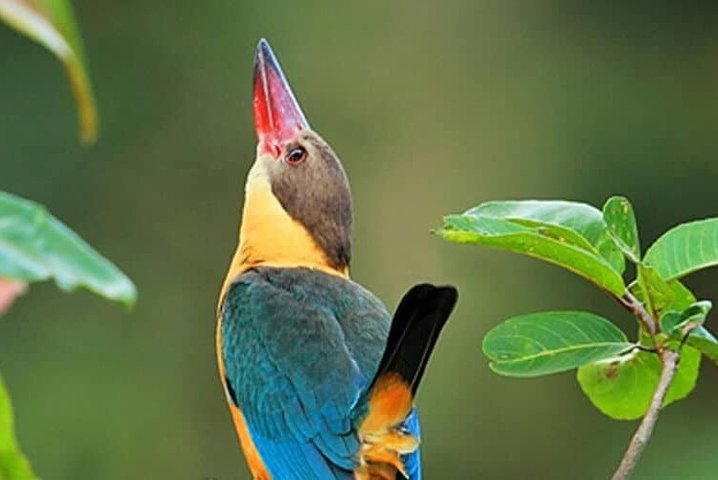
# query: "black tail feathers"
{"type": "Point", "coordinates": [414, 330]}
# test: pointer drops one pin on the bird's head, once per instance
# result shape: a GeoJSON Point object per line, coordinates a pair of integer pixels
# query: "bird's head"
{"type": "Point", "coordinates": [302, 171]}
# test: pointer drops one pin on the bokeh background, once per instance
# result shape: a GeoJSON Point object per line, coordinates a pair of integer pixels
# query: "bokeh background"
{"type": "Point", "coordinates": [434, 107]}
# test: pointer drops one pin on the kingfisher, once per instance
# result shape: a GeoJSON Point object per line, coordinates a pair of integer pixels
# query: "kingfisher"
{"type": "Point", "coordinates": [319, 378]}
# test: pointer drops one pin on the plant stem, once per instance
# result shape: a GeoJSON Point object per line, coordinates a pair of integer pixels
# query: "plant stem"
{"type": "Point", "coordinates": [635, 306]}
{"type": "Point", "coordinates": [669, 365]}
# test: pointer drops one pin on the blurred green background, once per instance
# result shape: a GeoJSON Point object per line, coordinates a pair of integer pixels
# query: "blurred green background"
{"type": "Point", "coordinates": [433, 108]}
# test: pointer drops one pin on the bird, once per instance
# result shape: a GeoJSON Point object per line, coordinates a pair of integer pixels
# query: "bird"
{"type": "Point", "coordinates": [320, 379]}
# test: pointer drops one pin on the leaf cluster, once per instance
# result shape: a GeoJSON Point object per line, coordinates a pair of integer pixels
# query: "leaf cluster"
{"type": "Point", "coordinates": [617, 374]}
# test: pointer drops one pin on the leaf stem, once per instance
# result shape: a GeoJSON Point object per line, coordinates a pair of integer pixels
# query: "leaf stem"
{"type": "Point", "coordinates": [669, 365]}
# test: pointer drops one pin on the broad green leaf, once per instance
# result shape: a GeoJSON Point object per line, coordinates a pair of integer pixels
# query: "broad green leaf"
{"type": "Point", "coordinates": [621, 221]}
{"type": "Point", "coordinates": [577, 223]}
{"type": "Point", "coordinates": [534, 241]}
{"type": "Point", "coordinates": [13, 464]}
{"type": "Point", "coordinates": [622, 388]}
{"type": "Point", "coordinates": [52, 24]}
{"type": "Point", "coordinates": [552, 342]}
{"type": "Point", "coordinates": [685, 249]}
{"type": "Point", "coordinates": [36, 246]}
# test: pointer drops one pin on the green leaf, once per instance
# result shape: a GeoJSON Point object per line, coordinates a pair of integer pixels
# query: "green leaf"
{"type": "Point", "coordinates": [689, 325]}
{"type": "Point", "coordinates": [621, 221]}
{"type": "Point", "coordinates": [685, 249]}
{"type": "Point", "coordinates": [36, 246]}
{"type": "Point", "coordinates": [704, 341]}
{"type": "Point", "coordinates": [13, 464]}
{"type": "Point", "coordinates": [670, 322]}
{"type": "Point", "coordinates": [673, 323]}
{"type": "Point", "coordinates": [663, 295]}
{"type": "Point", "coordinates": [577, 223]}
{"type": "Point", "coordinates": [622, 388]}
{"type": "Point", "coordinates": [52, 24]}
{"type": "Point", "coordinates": [534, 241]}
{"type": "Point", "coordinates": [552, 342]}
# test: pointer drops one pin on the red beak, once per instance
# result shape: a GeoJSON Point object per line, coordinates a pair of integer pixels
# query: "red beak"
{"type": "Point", "coordinates": [277, 116]}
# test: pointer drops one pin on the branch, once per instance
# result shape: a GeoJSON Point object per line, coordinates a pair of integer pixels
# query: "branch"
{"type": "Point", "coordinates": [669, 365]}
{"type": "Point", "coordinates": [633, 305]}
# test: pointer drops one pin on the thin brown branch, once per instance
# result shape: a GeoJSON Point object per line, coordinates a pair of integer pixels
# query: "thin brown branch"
{"type": "Point", "coordinates": [669, 365]}
{"type": "Point", "coordinates": [636, 307]}
{"type": "Point", "coordinates": [624, 302]}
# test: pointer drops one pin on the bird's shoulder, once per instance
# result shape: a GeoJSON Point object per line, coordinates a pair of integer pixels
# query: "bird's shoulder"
{"type": "Point", "coordinates": [304, 325]}
{"type": "Point", "coordinates": [288, 299]}
{"type": "Point", "coordinates": [339, 293]}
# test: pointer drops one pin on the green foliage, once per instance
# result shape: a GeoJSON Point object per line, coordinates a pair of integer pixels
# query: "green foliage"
{"type": "Point", "coordinates": [685, 249]}
{"type": "Point", "coordinates": [622, 388]}
{"type": "Point", "coordinates": [36, 246]}
{"type": "Point", "coordinates": [618, 379]}
{"type": "Point", "coordinates": [621, 223]}
{"type": "Point", "coordinates": [570, 240]}
{"type": "Point", "coordinates": [52, 24]}
{"type": "Point", "coordinates": [13, 464]}
{"type": "Point", "coordinates": [658, 294]}
{"type": "Point", "coordinates": [680, 323]}
{"type": "Point", "coordinates": [581, 222]}
{"type": "Point", "coordinates": [687, 326]}
{"type": "Point", "coordinates": [704, 341]}
{"type": "Point", "coordinates": [551, 342]}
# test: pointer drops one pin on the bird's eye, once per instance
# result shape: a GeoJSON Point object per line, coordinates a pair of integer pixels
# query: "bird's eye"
{"type": "Point", "coordinates": [296, 156]}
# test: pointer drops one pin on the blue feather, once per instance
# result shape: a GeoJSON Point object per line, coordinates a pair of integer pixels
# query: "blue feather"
{"type": "Point", "coordinates": [412, 461]}
{"type": "Point", "coordinates": [299, 348]}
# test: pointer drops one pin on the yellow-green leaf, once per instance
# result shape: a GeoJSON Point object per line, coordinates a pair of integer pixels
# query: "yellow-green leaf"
{"type": "Point", "coordinates": [13, 464]}
{"type": "Point", "coordinates": [622, 388]}
{"type": "Point", "coordinates": [52, 24]}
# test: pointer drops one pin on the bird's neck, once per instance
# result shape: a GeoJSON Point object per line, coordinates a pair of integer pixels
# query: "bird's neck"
{"type": "Point", "coordinates": [269, 237]}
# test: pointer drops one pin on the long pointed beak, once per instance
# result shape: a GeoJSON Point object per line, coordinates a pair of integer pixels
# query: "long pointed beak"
{"type": "Point", "coordinates": [277, 115]}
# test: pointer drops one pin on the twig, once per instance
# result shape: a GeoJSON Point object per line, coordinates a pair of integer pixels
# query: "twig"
{"type": "Point", "coordinates": [635, 306]}
{"type": "Point", "coordinates": [669, 364]}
